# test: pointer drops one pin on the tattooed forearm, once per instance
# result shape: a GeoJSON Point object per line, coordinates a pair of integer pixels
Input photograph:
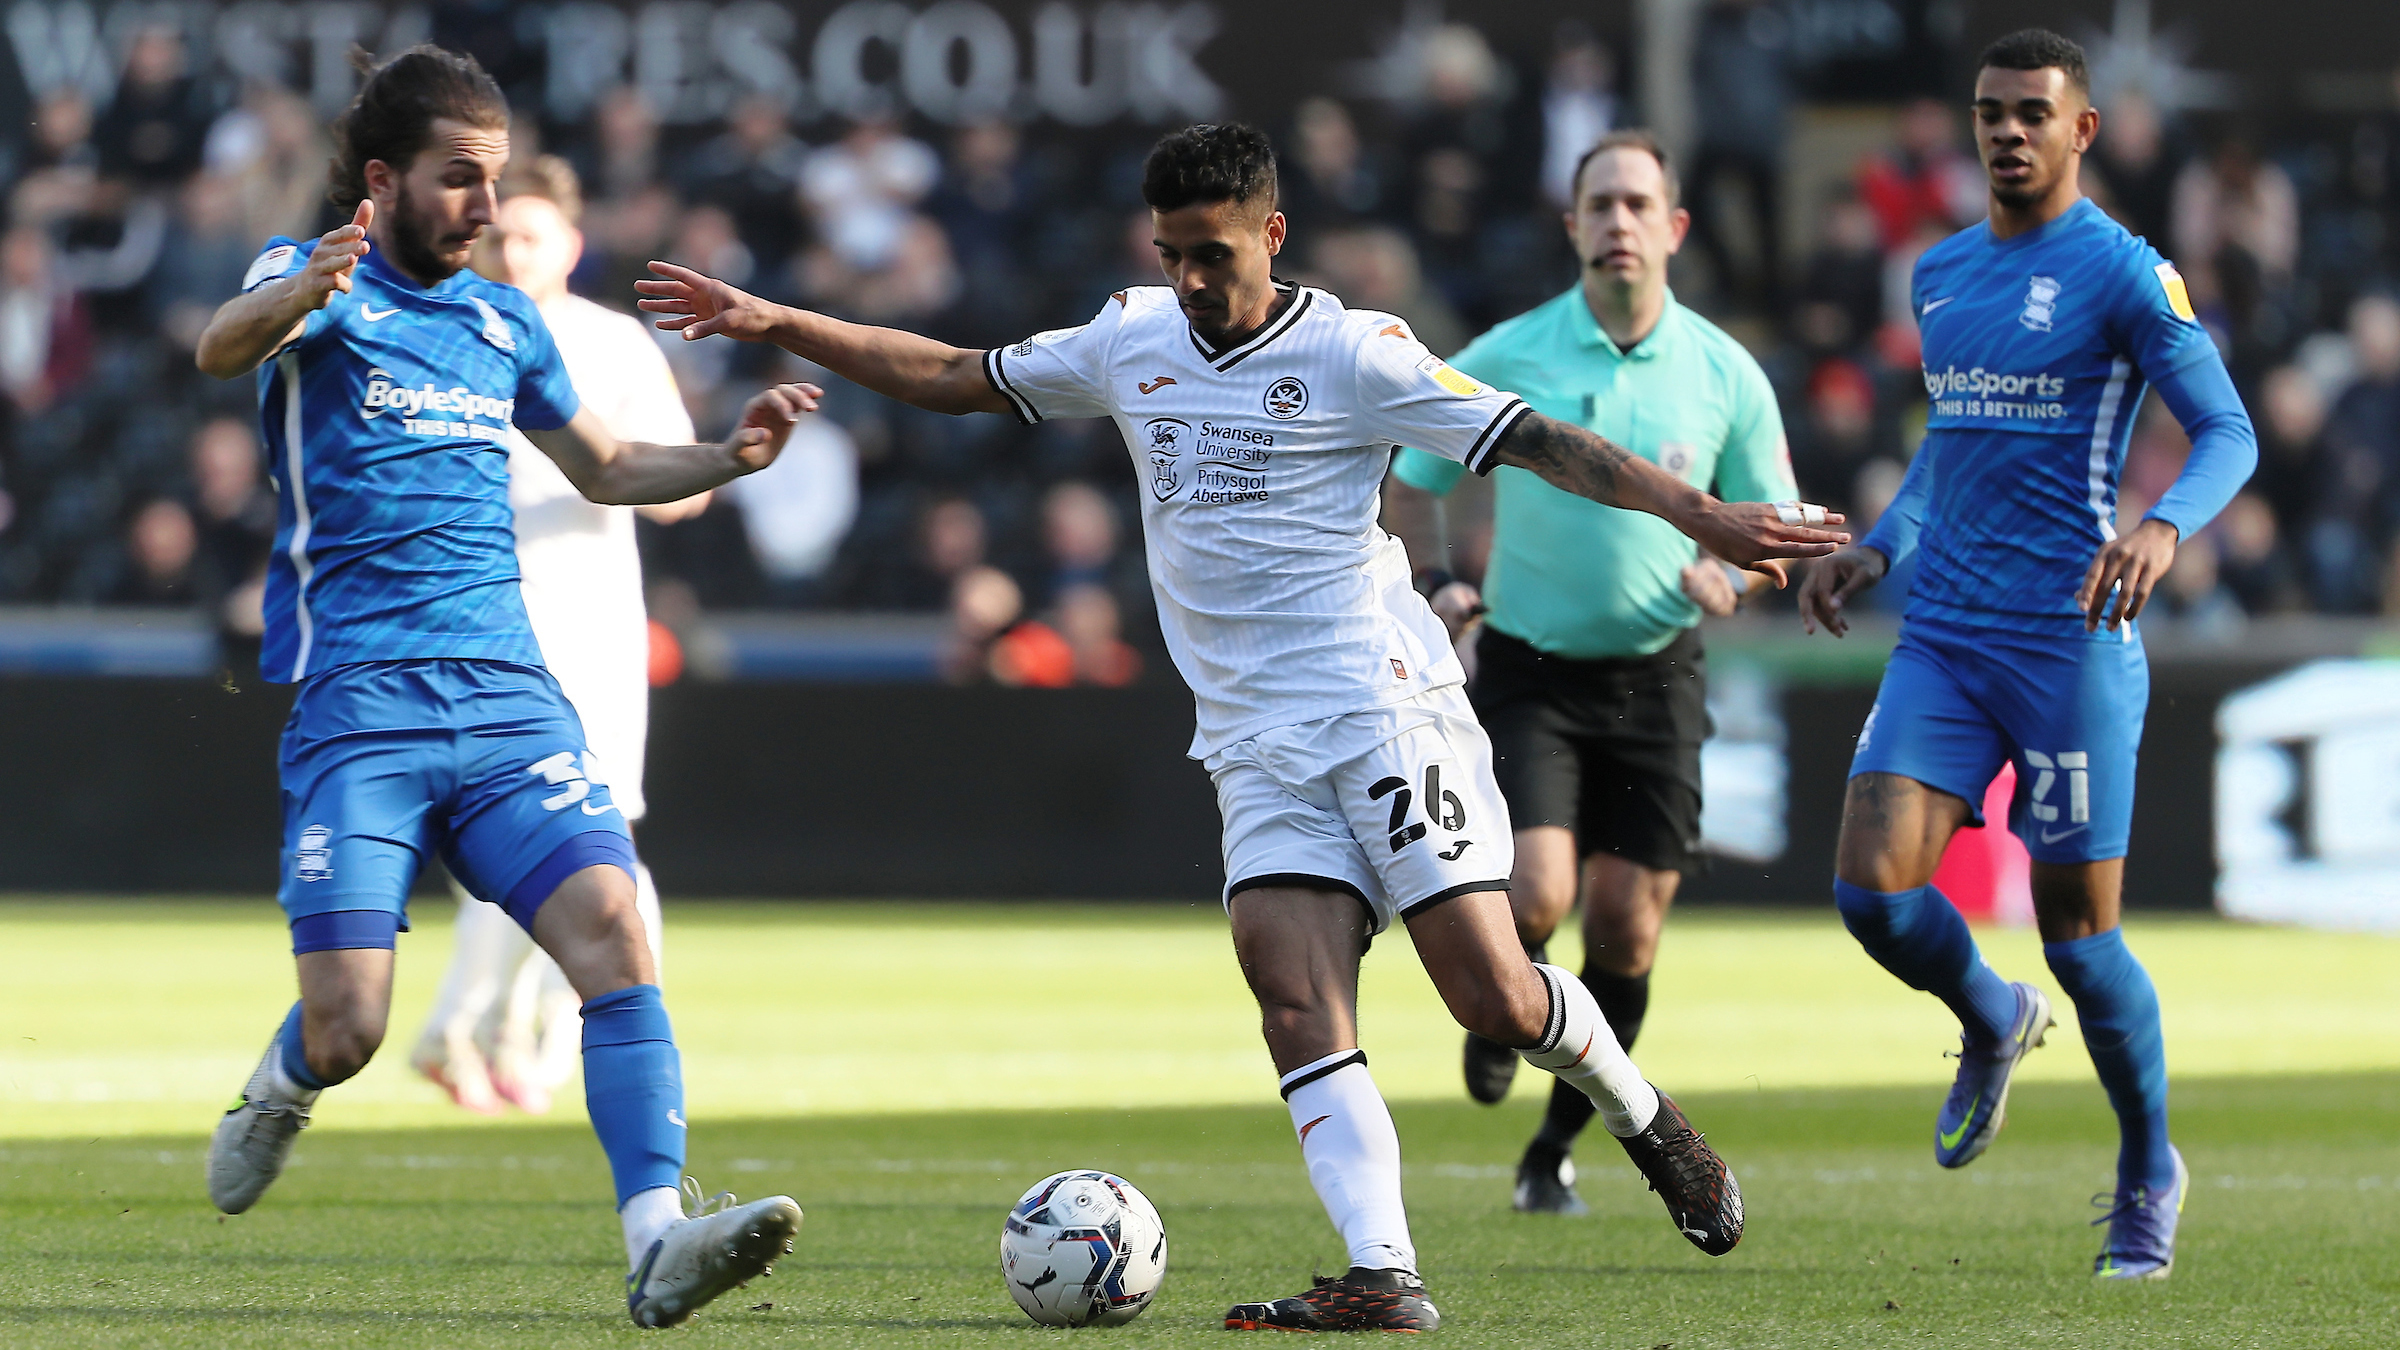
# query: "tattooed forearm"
{"type": "Point", "coordinates": [1566, 456]}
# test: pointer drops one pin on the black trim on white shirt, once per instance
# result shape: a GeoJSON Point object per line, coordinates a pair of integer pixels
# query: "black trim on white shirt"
{"type": "Point", "coordinates": [1479, 456]}
{"type": "Point", "coordinates": [1226, 359]}
{"type": "Point", "coordinates": [1025, 410]}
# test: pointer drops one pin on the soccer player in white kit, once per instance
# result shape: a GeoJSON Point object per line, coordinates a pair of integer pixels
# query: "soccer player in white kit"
{"type": "Point", "coordinates": [505, 1025]}
{"type": "Point", "coordinates": [1354, 782]}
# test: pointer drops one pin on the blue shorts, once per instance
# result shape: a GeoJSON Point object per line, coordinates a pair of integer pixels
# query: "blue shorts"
{"type": "Point", "coordinates": [1957, 701]}
{"type": "Point", "coordinates": [386, 763]}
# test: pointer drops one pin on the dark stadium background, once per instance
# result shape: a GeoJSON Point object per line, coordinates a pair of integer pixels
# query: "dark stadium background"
{"type": "Point", "coordinates": [836, 723]}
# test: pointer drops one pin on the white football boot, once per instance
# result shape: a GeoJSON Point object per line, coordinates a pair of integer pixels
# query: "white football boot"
{"type": "Point", "coordinates": [254, 1140]}
{"type": "Point", "coordinates": [721, 1245]}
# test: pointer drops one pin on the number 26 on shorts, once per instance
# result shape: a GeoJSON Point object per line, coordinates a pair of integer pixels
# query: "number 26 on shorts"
{"type": "Point", "coordinates": [1444, 806]}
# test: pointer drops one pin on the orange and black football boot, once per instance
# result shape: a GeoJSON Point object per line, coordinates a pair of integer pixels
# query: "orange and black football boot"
{"type": "Point", "coordinates": [1363, 1300]}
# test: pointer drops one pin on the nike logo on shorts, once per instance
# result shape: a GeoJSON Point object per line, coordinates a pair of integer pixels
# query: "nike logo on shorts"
{"type": "Point", "coordinates": [2049, 838]}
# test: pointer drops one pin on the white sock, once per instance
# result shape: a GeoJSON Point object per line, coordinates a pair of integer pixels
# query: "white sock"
{"type": "Point", "coordinates": [1353, 1156]}
{"type": "Point", "coordinates": [646, 1215]}
{"type": "Point", "coordinates": [1580, 1048]}
{"type": "Point", "coordinates": [280, 1087]}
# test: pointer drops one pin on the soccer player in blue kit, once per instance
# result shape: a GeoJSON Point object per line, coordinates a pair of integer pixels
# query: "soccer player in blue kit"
{"type": "Point", "coordinates": [2043, 329]}
{"type": "Point", "coordinates": [425, 722]}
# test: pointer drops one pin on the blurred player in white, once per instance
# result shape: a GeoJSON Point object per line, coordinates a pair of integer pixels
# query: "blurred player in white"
{"type": "Point", "coordinates": [506, 1026]}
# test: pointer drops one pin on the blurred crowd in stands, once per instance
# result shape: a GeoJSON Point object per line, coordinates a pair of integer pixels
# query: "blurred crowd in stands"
{"type": "Point", "coordinates": [128, 478]}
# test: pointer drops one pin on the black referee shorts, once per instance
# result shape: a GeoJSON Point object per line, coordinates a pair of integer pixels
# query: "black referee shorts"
{"type": "Point", "coordinates": [1609, 749]}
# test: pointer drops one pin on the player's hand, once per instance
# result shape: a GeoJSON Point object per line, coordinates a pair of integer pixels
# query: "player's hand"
{"type": "Point", "coordinates": [1705, 584]}
{"type": "Point", "coordinates": [2129, 565]}
{"type": "Point", "coordinates": [699, 306]}
{"type": "Point", "coordinates": [1459, 606]}
{"type": "Point", "coordinates": [1756, 534]}
{"type": "Point", "coordinates": [1829, 585]}
{"type": "Point", "coordinates": [767, 421]}
{"type": "Point", "coordinates": [335, 258]}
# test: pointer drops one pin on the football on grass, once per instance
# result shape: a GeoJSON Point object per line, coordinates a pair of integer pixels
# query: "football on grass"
{"type": "Point", "coordinates": [1083, 1249]}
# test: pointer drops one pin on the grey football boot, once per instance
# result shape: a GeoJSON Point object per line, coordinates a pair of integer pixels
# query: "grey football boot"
{"type": "Point", "coordinates": [254, 1139]}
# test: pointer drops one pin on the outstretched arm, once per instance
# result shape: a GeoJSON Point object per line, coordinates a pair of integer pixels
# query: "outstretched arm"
{"type": "Point", "coordinates": [917, 370]}
{"type": "Point", "coordinates": [1749, 534]}
{"type": "Point", "coordinates": [248, 328]}
{"type": "Point", "coordinates": [636, 473]}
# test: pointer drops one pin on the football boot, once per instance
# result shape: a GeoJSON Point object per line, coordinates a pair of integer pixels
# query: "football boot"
{"type": "Point", "coordinates": [253, 1140]}
{"type": "Point", "coordinates": [1701, 1195]}
{"type": "Point", "coordinates": [2141, 1229]}
{"type": "Point", "coordinates": [1490, 1067]}
{"type": "Point", "coordinates": [1546, 1182]}
{"type": "Point", "coordinates": [721, 1245]}
{"type": "Point", "coordinates": [1362, 1300]}
{"type": "Point", "coordinates": [1978, 1102]}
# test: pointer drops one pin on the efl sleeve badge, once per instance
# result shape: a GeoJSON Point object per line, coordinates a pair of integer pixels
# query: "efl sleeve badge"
{"type": "Point", "coordinates": [2178, 298]}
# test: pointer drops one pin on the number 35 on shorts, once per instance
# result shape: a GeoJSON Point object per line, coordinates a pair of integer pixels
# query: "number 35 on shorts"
{"type": "Point", "coordinates": [1441, 806]}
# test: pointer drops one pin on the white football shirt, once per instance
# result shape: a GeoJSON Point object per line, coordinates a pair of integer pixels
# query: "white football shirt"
{"type": "Point", "coordinates": [582, 573]}
{"type": "Point", "coordinates": [1262, 465]}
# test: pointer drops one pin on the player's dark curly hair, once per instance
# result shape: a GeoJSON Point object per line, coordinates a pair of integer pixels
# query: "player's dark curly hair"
{"type": "Point", "coordinates": [392, 117]}
{"type": "Point", "coordinates": [2039, 49]}
{"type": "Point", "coordinates": [1211, 162]}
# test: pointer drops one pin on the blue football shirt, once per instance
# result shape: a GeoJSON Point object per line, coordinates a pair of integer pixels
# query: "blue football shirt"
{"type": "Point", "coordinates": [2038, 350]}
{"type": "Point", "coordinates": [382, 424]}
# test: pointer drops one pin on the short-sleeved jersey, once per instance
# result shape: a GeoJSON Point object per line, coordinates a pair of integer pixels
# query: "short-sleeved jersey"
{"type": "Point", "coordinates": [385, 426]}
{"type": "Point", "coordinates": [1261, 465]}
{"type": "Point", "coordinates": [1582, 580]}
{"type": "Point", "coordinates": [2038, 351]}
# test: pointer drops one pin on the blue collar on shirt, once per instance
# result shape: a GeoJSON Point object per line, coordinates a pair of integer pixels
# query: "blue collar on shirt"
{"type": "Point", "coordinates": [2073, 215]}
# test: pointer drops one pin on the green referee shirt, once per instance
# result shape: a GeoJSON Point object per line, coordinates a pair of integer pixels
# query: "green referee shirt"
{"type": "Point", "coordinates": [1582, 580]}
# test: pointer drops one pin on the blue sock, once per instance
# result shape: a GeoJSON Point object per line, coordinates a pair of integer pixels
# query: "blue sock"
{"type": "Point", "coordinates": [633, 1086]}
{"type": "Point", "coordinates": [1919, 936]}
{"type": "Point", "coordinates": [295, 1054]}
{"type": "Point", "coordinates": [2118, 1007]}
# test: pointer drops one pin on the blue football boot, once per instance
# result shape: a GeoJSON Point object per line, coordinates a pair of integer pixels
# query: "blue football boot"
{"type": "Point", "coordinates": [2141, 1229]}
{"type": "Point", "coordinates": [1978, 1103]}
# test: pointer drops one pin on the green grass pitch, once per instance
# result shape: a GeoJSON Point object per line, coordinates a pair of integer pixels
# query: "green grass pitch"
{"type": "Point", "coordinates": [905, 1071]}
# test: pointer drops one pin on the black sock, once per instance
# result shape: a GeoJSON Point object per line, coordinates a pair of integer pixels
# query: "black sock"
{"type": "Point", "coordinates": [1623, 999]}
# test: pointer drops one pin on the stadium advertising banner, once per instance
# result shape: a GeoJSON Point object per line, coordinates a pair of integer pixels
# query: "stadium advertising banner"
{"type": "Point", "coordinates": [950, 62]}
{"type": "Point", "coordinates": [2308, 798]}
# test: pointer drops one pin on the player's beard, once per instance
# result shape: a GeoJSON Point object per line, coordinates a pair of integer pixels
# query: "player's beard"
{"type": "Point", "coordinates": [413, 243]}
{"type": "Point", "coordinates": [2015, 196]}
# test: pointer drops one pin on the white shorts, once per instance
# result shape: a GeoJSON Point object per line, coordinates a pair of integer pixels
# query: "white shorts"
{"type": "Point", "coordinates": [1395, 805]}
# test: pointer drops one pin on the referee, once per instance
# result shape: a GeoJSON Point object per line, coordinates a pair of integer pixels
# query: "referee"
{"type": "Point", "coordinates": [1590, 677]}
